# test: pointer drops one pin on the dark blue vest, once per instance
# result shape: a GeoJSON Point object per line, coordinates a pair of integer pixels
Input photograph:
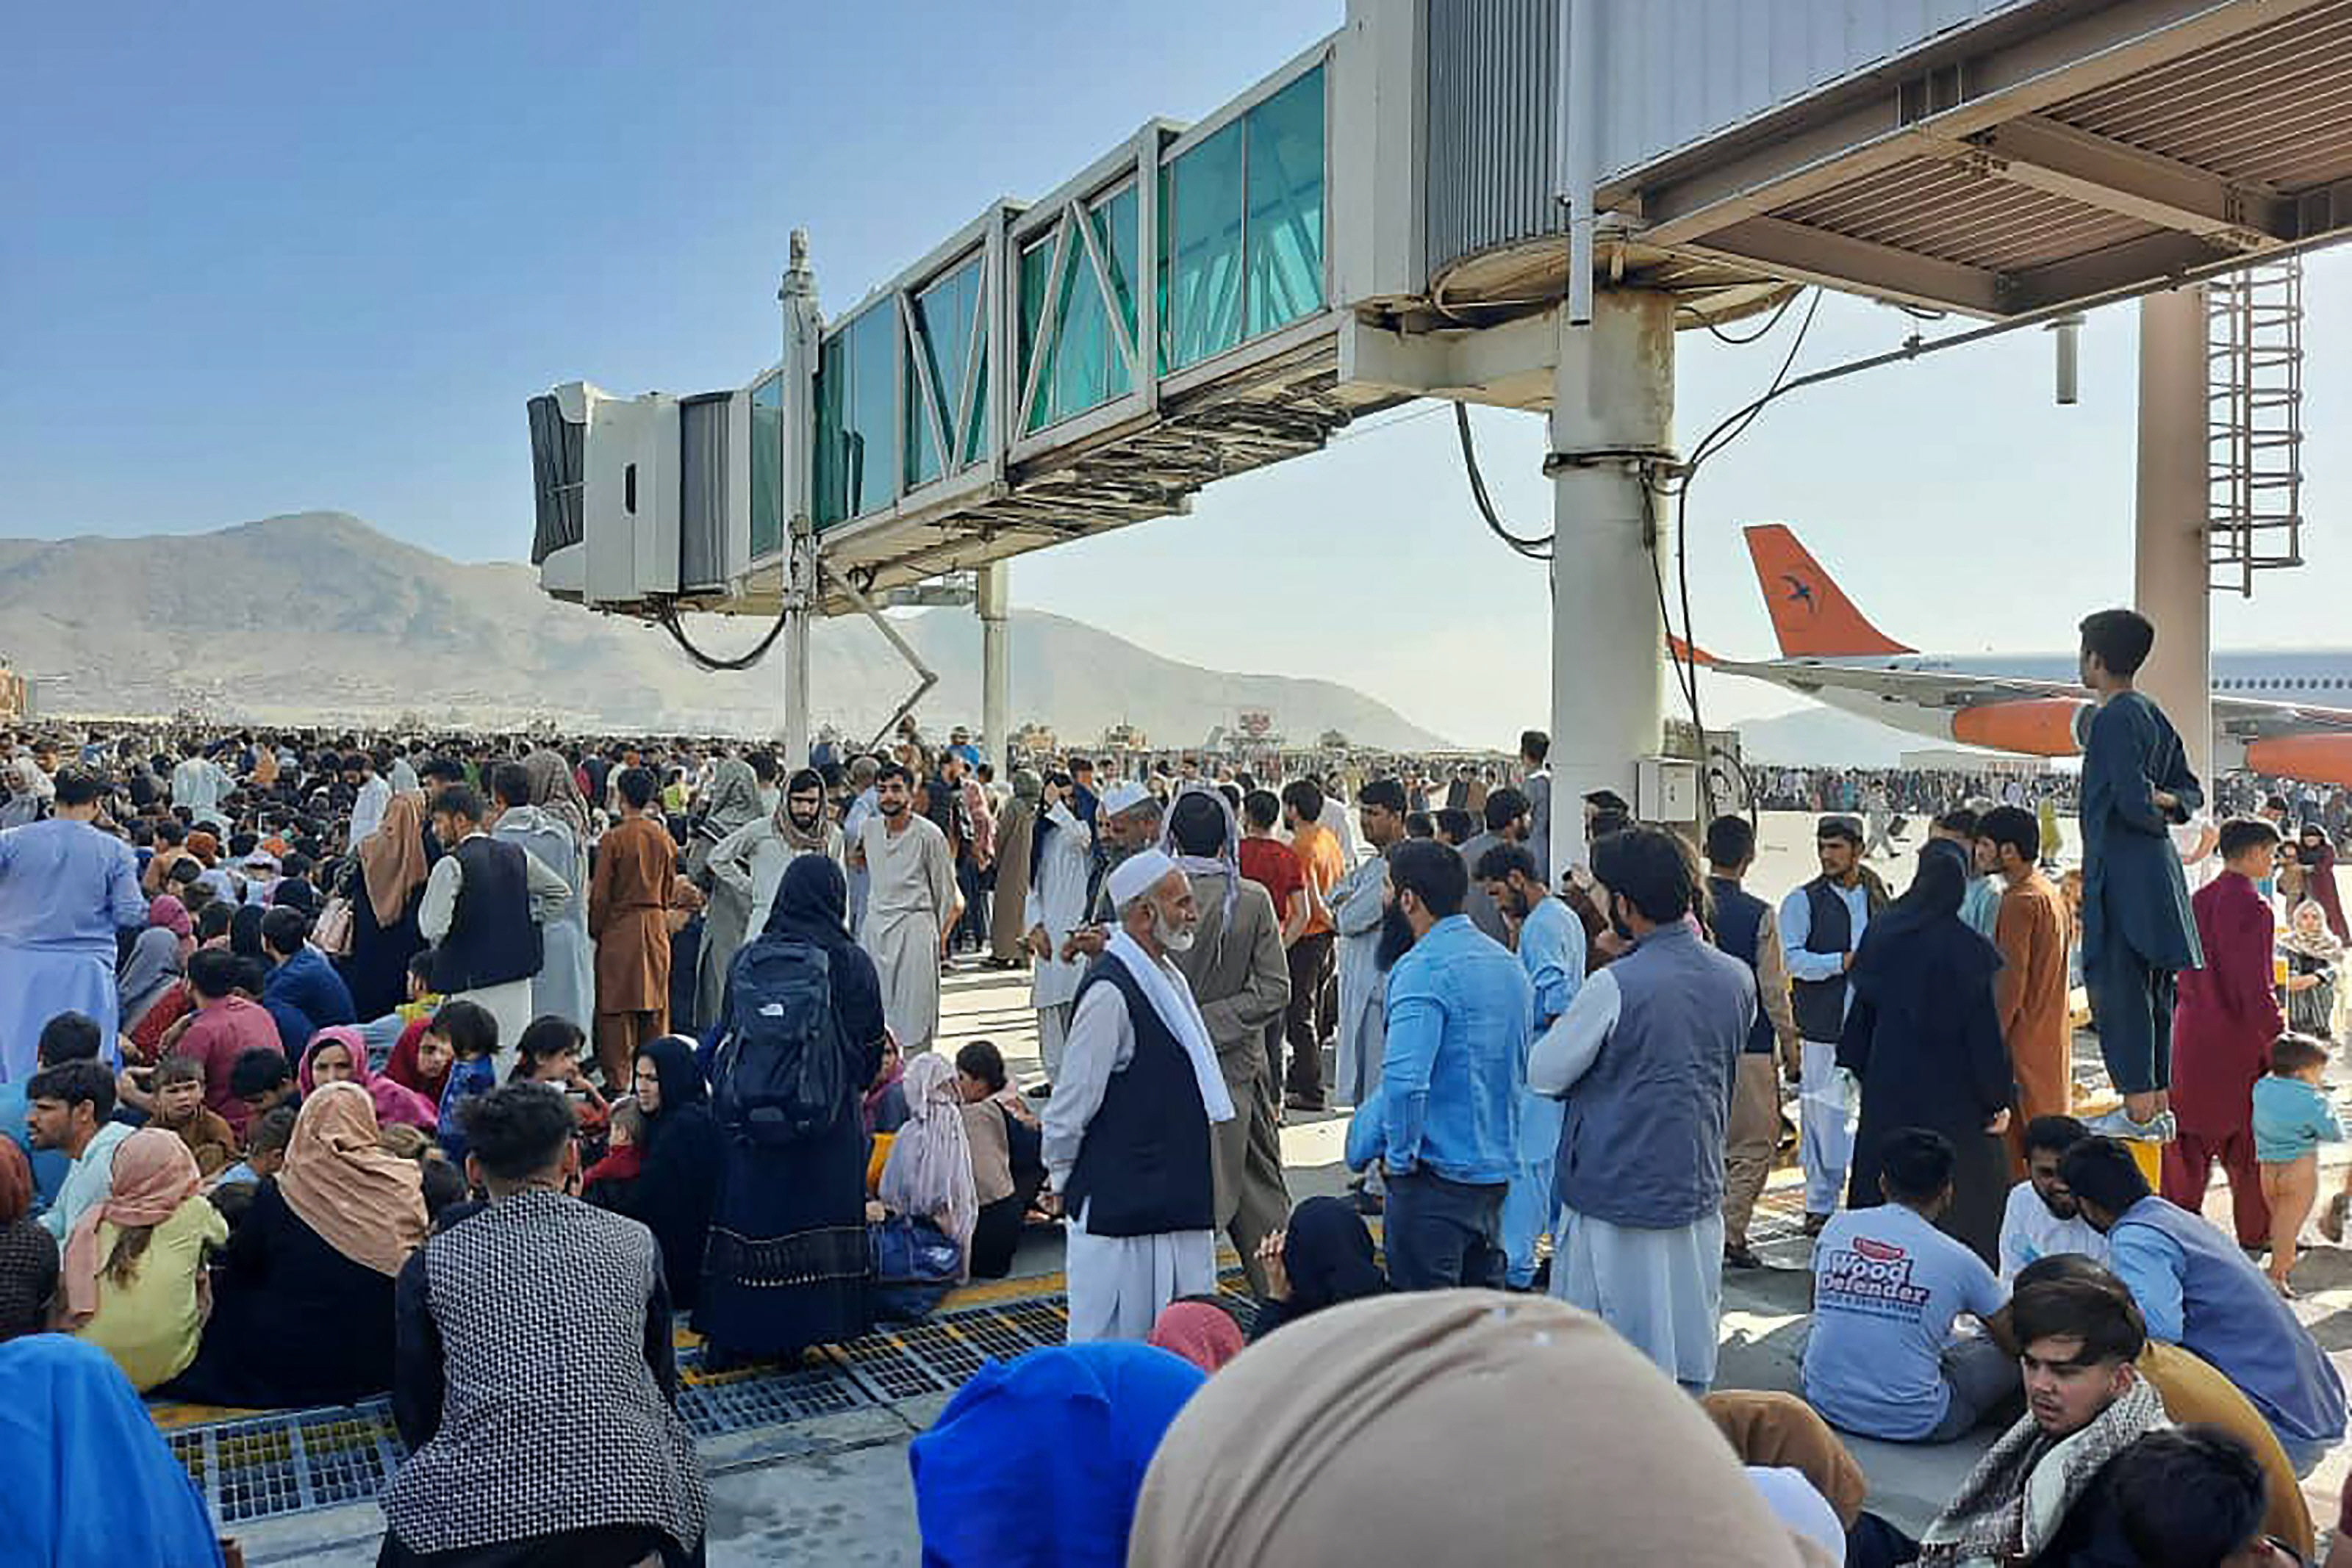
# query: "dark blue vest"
{"type": "Point", "coordinates": [2231, 1317]}
{"type": "Point", "coordinates": [1821, 1004]}
{"type": "Point", "coordinates": [1146, 1167]}
{"type": "Point", "coordinates": [492, 938]}
{"type": "Point", "coordinates": [1739, 928]}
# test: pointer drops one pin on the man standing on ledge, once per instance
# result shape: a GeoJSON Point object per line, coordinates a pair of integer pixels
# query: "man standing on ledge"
{"type": "Point", "coordinates": [911, 905]}
{"type": "Point", "coordinates": [1128, 1132]}
{"type": "Point", "coordinates": [2137, 928]}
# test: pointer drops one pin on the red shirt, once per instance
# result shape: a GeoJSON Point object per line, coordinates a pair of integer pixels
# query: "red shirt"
{"type": "Point", "coordinates": [1270, 863]}
{"type": "Point", "coordinates": [2227, 1014]}
{"type": "Point", "coordinates": [219, 1035]}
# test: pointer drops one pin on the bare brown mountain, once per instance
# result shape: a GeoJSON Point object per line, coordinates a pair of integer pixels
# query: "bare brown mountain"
{"type": "Point", "coordinates": [316, 616]}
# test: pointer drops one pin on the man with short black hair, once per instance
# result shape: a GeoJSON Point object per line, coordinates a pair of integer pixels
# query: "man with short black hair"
{"type": "Point", "coordinates": [2194, 1494]}
{"type": "Point", "coordinates": [1445, 1123]}
{"type": "Point", "coordinates": [1506, 818]}
{"type": "Point", "coordinates": [69, 1108]}
{"type": "Point", "coordinates": [2198, 1292]}
{"type": "Point", "coordinates": [2030, 927]}
{"type": "Point", "coordinates": [484, 902]}
{"type": "Point", "coordinates": [1322, 865]}
{"type": "Point", "coordinates": [1980, 905]}
{"type": "Point", "coordinates": [2137, 930]}
{"type": "Point", "coordinates": [223, 1026]}
{"type": "Point", "coordinates": [1745, 928]}
{"type": "Point", "coordinates": [1646, 1056]}
{"type": "Point", "coordinates": [69, 1037]}
{"type": "Point", "coordinates": [300, 979]}
{"type": "Point", "coordinates": [1888, 1285]}
{"type": "Point", "coordinates": [65, 888]}
{"type": "Point", "coordinates": [2042, 1219]}
{"type": "Point", "coordinates": [481, 1404]}
{"type": "Point", "coordinates": [1359, 907]}
{"type": "Point", "coordinates": [1821, 926]}
{"type": "Point", "coordinates": [1551, 945]}
{"type": "Point", "coordinates": [2041, 1495]}
{"type": "Point", "coordinates": [912, 905]}
{"type": "Point", "coordinates": [1535, 783]}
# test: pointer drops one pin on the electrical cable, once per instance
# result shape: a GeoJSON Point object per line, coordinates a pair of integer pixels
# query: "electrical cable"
{"type": "Point", "coordinates": [1707, 321]}
{"type": "Point", "coordinates": [1533, 548]}
{"type": "Point", "coordinates": [665, 616]}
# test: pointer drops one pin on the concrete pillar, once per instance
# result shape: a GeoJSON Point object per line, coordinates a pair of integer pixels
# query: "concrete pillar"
{"type": "Point", "coordinates": [802, 329]}
{"type": "Point", "coordinates": [793, 646]}
{"type": "Point", "coordinates": [2169, 570]}
{"type": "Point", "coordinates": [1613, 406]}
{"type": "Point", "coordinates": [994, 603]}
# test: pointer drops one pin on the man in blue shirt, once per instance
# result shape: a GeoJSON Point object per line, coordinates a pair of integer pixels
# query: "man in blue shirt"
{"type": "Point", "coordinates": [1822, 925]}
{"type": "Point", "coordinates": [1451, 1074]}
{"type": "Point", "coordinates": [69, 1037]}
{"type": "Point", "coordinates": [2197, 1290]}
{"type": "Point", "coordinates": [1550, 943]}
{"type": "Point", "coordinates": [1887, 1286]}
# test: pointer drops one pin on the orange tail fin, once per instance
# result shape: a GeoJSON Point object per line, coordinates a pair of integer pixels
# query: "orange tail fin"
{"type": "Point", "coordinates": [1812, 616]}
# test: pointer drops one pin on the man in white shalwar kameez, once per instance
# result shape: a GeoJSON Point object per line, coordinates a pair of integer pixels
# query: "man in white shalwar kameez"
{"type": "Point", "coordinates": [1646, 1056]}
{"type": "Point", "coordinates": [1128, 1134]}
{"type": "Point", "coordinates": [1061, 863]}
{"type": "Point", "coordinates": [911, 899]}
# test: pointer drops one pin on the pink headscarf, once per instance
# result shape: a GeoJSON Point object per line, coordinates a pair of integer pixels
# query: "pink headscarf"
{"type": "Point", "coordinates": [153, 1175]}
{"type": "Point", "coordinates": [395, 1103]}
{"type": "Point", "coordinates": [1204, 1335]}
{"type": "Point", "coordinates": [172, 915]}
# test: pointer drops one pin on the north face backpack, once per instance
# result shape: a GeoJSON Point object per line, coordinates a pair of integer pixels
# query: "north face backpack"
{"type": "Point", "coordinates": [780, 1073]}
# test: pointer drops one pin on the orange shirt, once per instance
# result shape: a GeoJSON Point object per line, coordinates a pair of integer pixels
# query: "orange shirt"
{"type": "Point", "coordinates": [1320, 860]}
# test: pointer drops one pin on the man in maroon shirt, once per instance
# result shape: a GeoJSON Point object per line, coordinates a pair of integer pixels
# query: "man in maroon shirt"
{"type": "Point", "coordinates": [2226, 1017]}
{"type": "Point", "coordinates": [223, 1026]}
{"type": "Point", "coordinates": [1272, 864]}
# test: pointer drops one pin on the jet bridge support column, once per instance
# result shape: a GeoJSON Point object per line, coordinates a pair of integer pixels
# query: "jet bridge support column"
{"type": "Point", "coordinates": [804, 327]}
{"type": "Point", "coordinates": [992, 601]}
{"type": "Point", "coordinates": [2170, 569]}
{"type": "Point", "coordinates": [1612, 419]}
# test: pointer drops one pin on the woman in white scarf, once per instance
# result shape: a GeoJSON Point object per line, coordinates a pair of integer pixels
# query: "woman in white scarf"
{"type": "Point", "coordinates": [929, 1173]}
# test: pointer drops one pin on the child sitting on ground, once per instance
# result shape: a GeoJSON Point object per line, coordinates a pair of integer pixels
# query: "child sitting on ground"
{"type": "Point", "coordinates": [1008, 1165]}
{"type": "Point", "coordinates": [471, 1033]}
{"type": "Point", "coordinates": [271, 1134]}
{"type": "Point", "coordinates": [548, 1052]}
{"type": "Point", "coordinates": [2292, 1119]}
{"type": "Point", "coordinates": [607, 1181]}
{"type": "Point", "coordinates": [423, 1002]}
{"type": "Point", "coordinates": [178, 1088]}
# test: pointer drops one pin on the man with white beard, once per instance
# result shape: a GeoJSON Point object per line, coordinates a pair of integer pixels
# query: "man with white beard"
{"type": "Point", "coordinates": [1127, 1140]}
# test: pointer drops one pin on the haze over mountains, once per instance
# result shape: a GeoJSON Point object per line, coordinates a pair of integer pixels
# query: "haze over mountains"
{"type": "Point", "coordinates": [317, 617]}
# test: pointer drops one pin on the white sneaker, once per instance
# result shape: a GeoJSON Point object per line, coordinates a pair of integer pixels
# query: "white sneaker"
{"type": "Point", "coordinates": [2161, 1128]}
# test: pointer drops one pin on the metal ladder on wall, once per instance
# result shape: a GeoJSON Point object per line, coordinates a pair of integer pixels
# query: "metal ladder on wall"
{"type": "Point", "coordinates": [2254, 422]}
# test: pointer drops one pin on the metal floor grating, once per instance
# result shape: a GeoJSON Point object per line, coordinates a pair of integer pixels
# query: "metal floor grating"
{"type": "Point", "coordinates": [261, 1467]}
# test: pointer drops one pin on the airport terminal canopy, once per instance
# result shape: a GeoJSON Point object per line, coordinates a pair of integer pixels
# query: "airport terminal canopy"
{"type": "Point", "coordinates": [1401, 211]}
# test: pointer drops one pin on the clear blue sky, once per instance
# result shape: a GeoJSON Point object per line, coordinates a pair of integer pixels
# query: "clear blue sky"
{"type": "Point", "coordinates": [265, 258]}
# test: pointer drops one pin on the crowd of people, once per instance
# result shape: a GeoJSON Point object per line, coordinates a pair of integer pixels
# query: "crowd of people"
{"type": "Point", "coordinates": [334, 1067]}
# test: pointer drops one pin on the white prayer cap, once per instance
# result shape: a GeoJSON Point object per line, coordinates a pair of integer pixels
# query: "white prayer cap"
{"type": "Point", "coordinates": [1124, 796]}
{"type": "Point", "coordinates": [1140, 872]}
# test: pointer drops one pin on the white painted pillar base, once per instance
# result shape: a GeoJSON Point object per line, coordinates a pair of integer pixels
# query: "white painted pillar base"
{"type": "Point", "coordinates": [1612, 402]}
{"type": "Point", "coordinates": [793, 648]}
{"type": "Point", "coordinates": [2169, 570]}
{"type": "Point", "coordinates": [994, 601]}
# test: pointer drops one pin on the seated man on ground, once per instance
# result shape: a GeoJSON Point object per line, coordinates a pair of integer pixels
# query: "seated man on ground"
{"type": "Point", "coordinates": [483, 1406]}
{"type": "Point", "coordinates": [70, 1108]}
{"type": "Point", "coordinates": [2038, 1496]}
{"type": "Point", "coordinates": [2197, 1290]}
{"type": "Point", "coordinates": [1887, 1286]}
{"type": "Point", "coordinates": [2193, 1494]}
{"type": "Point", "coordinates": [2196, 1395]}
{"type": "Point", "coordinates": [2042, 1219]}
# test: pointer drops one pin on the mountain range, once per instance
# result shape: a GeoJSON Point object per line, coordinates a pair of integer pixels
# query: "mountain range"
{"type": "Point", "coordinates": [316, 618]}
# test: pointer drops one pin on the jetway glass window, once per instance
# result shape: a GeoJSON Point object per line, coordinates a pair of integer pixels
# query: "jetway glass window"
{"type": "Point", "coordinates": [1241, 224]}
{"type": "Point", "coordinates": [1085, 347]}
{"type": "Point", "coordinates": [768, 467]}
{"type": "Point", "coordinates": [951, 339]}
{"type": "Point", "coordinates": [857, 417]}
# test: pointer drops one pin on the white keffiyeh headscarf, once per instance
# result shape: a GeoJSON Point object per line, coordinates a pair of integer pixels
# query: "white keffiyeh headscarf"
{"type": "Point", "coordinates": [1171, 998]}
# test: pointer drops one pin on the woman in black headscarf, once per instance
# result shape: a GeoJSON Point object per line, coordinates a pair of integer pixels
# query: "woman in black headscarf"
{"type": "Point", "coordinates": [678, 1183]}
{"type": "Point", "coordinates": [1324, 1257]}
{"type": "Point", "coordinates": [788, 1266]}
{"type": "Point", "coordinates": [1923, 1037]}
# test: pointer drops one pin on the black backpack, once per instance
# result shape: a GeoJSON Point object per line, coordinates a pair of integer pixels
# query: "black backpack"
{"type": "Point", "coordinates": [780, 1072]}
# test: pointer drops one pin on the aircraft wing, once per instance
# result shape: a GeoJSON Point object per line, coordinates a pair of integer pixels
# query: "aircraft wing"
{"type": "Point", "coordinates": [1923, 688]}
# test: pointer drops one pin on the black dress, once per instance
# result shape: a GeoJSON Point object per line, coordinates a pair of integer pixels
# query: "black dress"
{"type": "Point", "coordinates": [673, 1194]}
{"type": "Point", "coordinates": [1924, 1039]}
{"type": "Point", "coordinates": [294, 1322]}
{"type": "Point", "coordinates": [788, 1266]}
{"type": "Point", "coordinates": [376, 969]}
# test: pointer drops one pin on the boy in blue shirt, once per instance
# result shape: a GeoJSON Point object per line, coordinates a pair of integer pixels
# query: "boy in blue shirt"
{"type": "Point", "coordinates": [472, 1033]}
{"type": "Point", "coordinates": [1887, 1285]}
{"type": "Point", "coordinates": [2292, 1119]}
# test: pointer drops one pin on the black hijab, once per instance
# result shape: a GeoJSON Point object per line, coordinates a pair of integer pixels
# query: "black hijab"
{"type": "Point", "coordinates": [1327, 1253]}
{"type": "Point", "coordinates": [678, 1186]}
{"type": "Point", "coordinates": [1921, 931]}
{"type": "Point", "coordinates": [812, 906]}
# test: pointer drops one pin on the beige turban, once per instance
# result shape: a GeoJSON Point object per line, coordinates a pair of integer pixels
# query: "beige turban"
{"type": "Point", "coordinates": [1465, 1427]}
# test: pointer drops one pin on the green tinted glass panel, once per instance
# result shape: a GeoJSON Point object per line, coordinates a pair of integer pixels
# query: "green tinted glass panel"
{"type": "Point", "coordinates": [1114, 220]}
{"type": "Point", "coordinates": [1200, 213]}
{"type": "Point", "coordinates": [1036, 272]}
{"type": "Point", "coordinates": [832, 478]}
{"type": "Point", "coordinates": [947, 317]}
{"type": "Point", "coordinates": [1085, 367]}
{"type": "Point", "coordinates": [922, 452]}
{"type": "Point", "coordinates": [975, 434]}
{"type": "Point", "coordinates": [768, 467]}
{"type": "Point", "coordinates": [870, 412]}
{"type": "Point", "coordinates": [1283, 241]}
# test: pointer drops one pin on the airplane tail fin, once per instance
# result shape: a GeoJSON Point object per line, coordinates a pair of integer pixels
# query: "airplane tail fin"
{"type": "Point", "coordinates": [1812, 616]}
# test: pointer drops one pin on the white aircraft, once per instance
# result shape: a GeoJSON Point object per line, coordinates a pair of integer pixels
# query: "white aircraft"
{"type": "Point", "coordinates": [2286, 713]}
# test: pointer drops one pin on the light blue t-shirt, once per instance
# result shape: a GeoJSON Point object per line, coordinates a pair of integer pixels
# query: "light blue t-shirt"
{"type": "Point", "coordinates": [2292, 1119]}
{"type": "Point", "coordinates": [1886, 1286]}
